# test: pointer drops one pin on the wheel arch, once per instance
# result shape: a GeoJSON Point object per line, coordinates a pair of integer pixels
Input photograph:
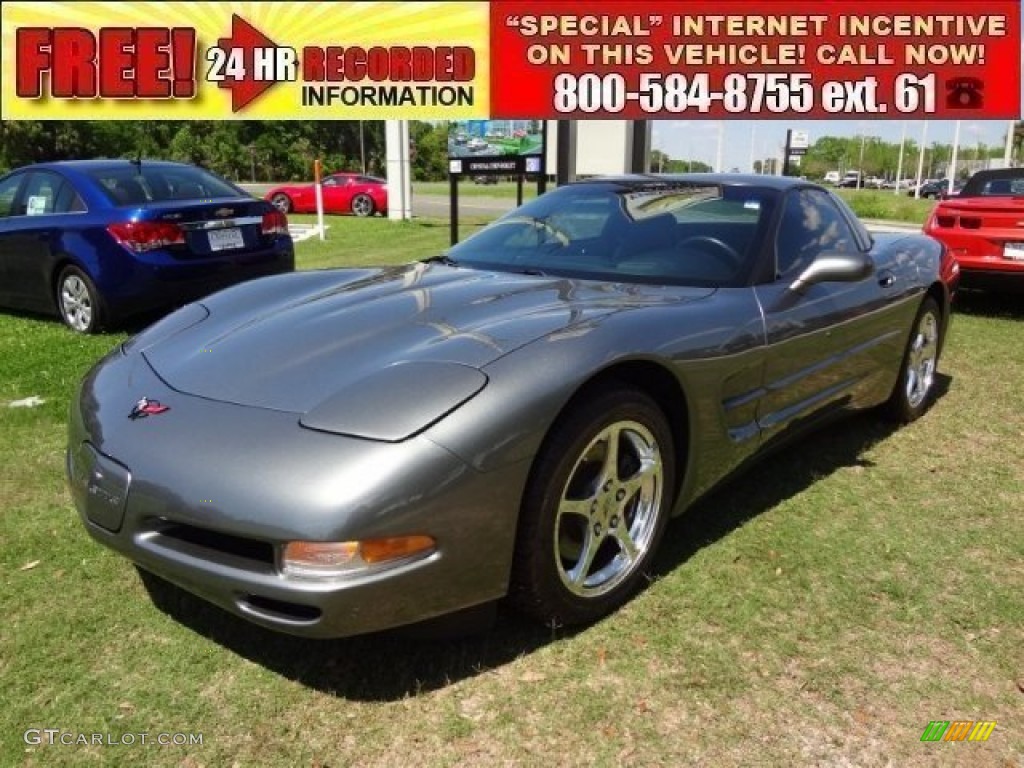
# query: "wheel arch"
{"type": "Point", "coordinates": [940, 294]}
{"type": "Point", "coordinates": [658, 383]}
{"type": "Point", "coordinates": [60, 262]}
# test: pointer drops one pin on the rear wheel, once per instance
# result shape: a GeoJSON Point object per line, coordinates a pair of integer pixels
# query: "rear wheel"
{"type": "Point", "coordinates": [282, 202]}
{"type": "Point", "coordinates": [78, 301]}
{"type": "Point", "coordinates": [362, 205]}
{"type": "Point", "coordinates": [595, 508]}
{"type": "Point", "coordinates": [915, 388]}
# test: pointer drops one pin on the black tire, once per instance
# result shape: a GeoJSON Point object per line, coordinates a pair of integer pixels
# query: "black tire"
{"type": "Point", "coordinates": [362, 205]}
{"type": "Point", "coordinates": [78, 302]}
{"type": "Point", "coordinates": [571, 502]}
{"type": "Point", "coordinates": [915, 387]}
{"type": "Point", "coordinates": [282, 202]}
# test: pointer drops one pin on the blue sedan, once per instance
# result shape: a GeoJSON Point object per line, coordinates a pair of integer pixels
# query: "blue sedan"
{"type": "Point", "coordinates": [95, 241]}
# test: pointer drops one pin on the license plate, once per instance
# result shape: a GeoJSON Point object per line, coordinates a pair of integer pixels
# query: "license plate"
{"type": "Point", "coordinates": [223, 239]}
{"type": "Point", "coordinates": [1013, 251]}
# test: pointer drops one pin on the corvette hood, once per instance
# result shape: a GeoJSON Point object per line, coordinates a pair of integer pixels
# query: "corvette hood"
{"type": "Point", "coordinates": [291, 342]}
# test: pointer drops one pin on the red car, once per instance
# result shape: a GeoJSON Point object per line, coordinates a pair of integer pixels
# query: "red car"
{"type": "Point", "coordinates": [343, 193]}
{"type": "Point", "coordinates": [983, 228]}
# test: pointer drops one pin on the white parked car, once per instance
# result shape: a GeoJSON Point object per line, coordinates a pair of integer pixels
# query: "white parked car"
{"type": "Point", "coordinates": [832, 177]}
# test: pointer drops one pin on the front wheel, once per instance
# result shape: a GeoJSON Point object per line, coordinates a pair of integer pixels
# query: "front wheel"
{"type": "Point", "coordinates": [78, 301]}
{"type": "Point", "coordinates": [915, 388]}
{"type": "Point", "coordinates": [362, 205]}
{"type": "Point", "coordinates": [595, 508]}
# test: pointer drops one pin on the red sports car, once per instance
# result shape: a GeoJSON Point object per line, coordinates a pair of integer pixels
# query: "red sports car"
{"type": "Point", "coordinates": [343, 193]}
{"type": "Point", "coordinates": [983, 228]}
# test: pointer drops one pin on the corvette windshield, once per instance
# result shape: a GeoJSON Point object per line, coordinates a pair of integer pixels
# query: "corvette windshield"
{"type": "Point", "coordinates": [678, 233]}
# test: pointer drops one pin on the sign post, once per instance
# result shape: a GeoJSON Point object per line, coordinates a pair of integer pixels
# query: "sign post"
{"type": "Point", "coordinates": [318, 174]}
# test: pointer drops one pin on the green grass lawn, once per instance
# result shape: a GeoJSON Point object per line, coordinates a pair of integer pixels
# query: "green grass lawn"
{"type": "Point", "coordinates": [883, 204]}
{"type": "Point", "coordinates": [819, 610]}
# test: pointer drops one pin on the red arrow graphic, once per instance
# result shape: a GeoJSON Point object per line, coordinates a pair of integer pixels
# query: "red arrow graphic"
{"type": "Point", "coordinates": [246, 38]}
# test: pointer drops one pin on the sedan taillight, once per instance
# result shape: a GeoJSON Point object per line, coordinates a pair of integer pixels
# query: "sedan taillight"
{"type": "Point", "coordinates": [140, 236]}
{"type": "Point", "coordinates": [274, 223]}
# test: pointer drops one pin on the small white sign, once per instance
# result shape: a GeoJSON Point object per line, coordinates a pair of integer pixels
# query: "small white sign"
{"type": "Point", "coordinates": [36, 205]}
{"type": "Point", "coordinates": [799, 140]}
{"type": "Point", "coordinates": [454, 166]}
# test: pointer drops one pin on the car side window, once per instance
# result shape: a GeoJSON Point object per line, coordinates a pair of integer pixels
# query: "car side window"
{"type": "Point", "coordinates": [68, 200]}
{"type": "Point", "coordinates": [40, 195]}
{"type": "Point", "coordinates": [811, 225]}
{"type": "Point", "coordinates": [8, 191]}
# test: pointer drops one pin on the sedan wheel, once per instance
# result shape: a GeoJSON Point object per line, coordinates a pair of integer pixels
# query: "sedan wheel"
{"type": "Point", "coordinates": [595, 508]}
{"type": "Point", "coordinates": [362, 205]}
{"type": "Point", "coordinates": [915, 387]}
{"type": "Point", "coordinates": [78, 301]}
{"type": "Point", "coordinates": [282, 202]}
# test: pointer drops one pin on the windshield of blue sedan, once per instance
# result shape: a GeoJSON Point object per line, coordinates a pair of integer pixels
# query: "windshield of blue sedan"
{"type": "Point", "coordinates": [673, 233]}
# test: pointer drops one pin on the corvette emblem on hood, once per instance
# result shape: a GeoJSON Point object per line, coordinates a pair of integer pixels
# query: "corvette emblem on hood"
{"type": "Point", "coordinates": [146, 407]}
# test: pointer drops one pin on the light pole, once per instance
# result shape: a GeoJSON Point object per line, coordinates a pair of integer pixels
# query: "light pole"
{"type": "Point", "coordinates": [860, 163]}
{"type": "Point", "coordinates": [721, 142]}
{"type": "Point", "coordinates": [952, 160]}
{"type": "Point", "coordinates": [920, 159]}
{"type": "Point", "coordinates": [899, 163]}
{"type": "Point", "coordinates": [753, 134]}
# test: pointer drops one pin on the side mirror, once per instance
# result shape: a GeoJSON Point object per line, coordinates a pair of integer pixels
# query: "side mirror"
{"type": "Point", "coordinates": [834, 268]}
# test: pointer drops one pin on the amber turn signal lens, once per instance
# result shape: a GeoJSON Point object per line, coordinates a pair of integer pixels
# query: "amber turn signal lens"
{"type": "Point", "coordinates": [397, 548]}
{"type": "Point", "coordinates": [332, 559]}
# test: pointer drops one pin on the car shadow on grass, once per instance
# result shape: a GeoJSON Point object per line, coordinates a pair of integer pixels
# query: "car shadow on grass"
{"type": "Point", "coordinates": [392, 665]}
{"type": "Point", "coordinates": [771, 480]}
{"type": "Point", "coordinates": [990, 304]}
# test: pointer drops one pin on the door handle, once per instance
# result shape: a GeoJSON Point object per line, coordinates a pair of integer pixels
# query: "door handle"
{"type": "Point", "coordinates": [886, 279]}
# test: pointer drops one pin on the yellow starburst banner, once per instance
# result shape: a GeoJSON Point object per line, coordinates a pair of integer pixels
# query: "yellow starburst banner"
{"type": "Point", "coordinates": [244, 60]}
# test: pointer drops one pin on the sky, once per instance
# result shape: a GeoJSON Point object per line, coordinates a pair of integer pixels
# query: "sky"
{"type": "Point", "coordinates": [698, 139]}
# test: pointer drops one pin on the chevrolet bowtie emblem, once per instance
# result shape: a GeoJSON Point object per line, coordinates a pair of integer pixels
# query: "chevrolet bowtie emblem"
{"type": "Point", "coordinates": [223, 211]}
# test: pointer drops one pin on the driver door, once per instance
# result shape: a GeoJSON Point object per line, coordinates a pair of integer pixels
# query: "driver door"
{"type": "Point", "coordinates": [825, 344]}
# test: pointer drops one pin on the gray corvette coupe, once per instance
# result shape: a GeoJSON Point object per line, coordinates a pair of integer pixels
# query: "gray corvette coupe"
{"type": "Point", "coordinates": [336, 452]}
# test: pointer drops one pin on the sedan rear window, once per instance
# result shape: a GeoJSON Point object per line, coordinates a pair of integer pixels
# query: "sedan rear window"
{"type": "Point", "coordinates": [137, 185]}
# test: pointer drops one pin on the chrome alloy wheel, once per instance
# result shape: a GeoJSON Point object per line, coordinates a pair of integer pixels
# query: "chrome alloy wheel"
{"type": "Point", "coordinates": [921, 359]}
{"type": "Point", "coordinates": [76, 303]}
{"type": "Point", "coordinates": [362, 205]}
{"type": "Point", "coordinates": [608, 513]}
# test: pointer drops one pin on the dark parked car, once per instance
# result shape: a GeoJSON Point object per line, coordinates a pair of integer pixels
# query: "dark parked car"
{"type": "Point", "coordinates": [94, 241]}
{"type": "Point", "coordinates": [938, 189]}
{"type": "Point", "coordinates": [335, 452]}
